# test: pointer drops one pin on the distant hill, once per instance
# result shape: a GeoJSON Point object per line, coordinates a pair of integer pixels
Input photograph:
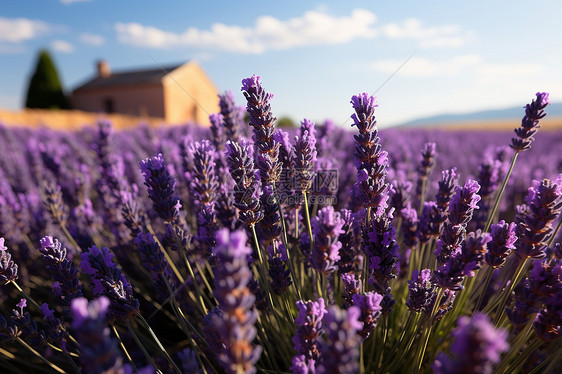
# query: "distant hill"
{"type": "Point", "coordinates": [553, 110]}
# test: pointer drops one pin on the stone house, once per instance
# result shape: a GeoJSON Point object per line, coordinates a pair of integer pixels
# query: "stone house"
{"type": "Point", "coordinates": [177, 94]}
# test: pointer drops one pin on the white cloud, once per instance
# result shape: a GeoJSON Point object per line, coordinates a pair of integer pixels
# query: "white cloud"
{"type": "Point", "coordinates": [420, 67]}
{"type": "Point", "coordinates": [427, 36]}
{"type": "Point", "coordinates": [66, 2]}
{"type": "Point", "coordinates": [92, 39]}
{"type": "Point", "coordinates": [62, 46]}
{"type": "Point", "coordinates": [268, 33]}
{"type": "Point", "coordinates": [16, 30]}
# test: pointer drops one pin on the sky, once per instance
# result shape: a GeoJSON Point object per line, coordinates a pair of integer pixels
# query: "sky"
{"type": "Point", "coordinates": [420, 58]}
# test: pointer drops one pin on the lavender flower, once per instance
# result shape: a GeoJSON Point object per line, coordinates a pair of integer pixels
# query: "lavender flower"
{"type": "Point", "coordinates": [305, 156]}
{"type": "Point", "coordinates": [279, 273]}
{"type": "Point", "coordinates": [52, 200]}
{"type": "Point", "coordinates": [151, 256]}
{"type": "Point", "coordinates": [530, 123]}
{"type": "Point", "coordinates": [340, 352]}
{"type": "Point", "coordinates": [473, 249]}
{"type": "Point", "coordinates": [370, 161]}
{"type": "Point", "coordinates": [189, 362]}
{"type": "Point", "coordinates": [351, 287]}
{"type": "Point", "coordinates": [349, 256]}
{"type": "Point", "coordinates": [369, 304]}
{"type": "Point", "coordinates": [501, 245]}
{"type": "Point", "coordinates": [300, 365]}
{"type": "Point", "coordinates": [461, 209]}
{"type": "Point", "coordinates": [160, 185]}
{"type": "Point", "coordinates": [477, 347]}
{"type": "Point", "coordinates": [381, 249]}
{"type": "Point", "coordinates": [66, 285]}
{"type": "Point", "coordinates": [204, 184]}
{"type": "Point", "coordinates": [270, 227]}
{"type": "Point", "coordinates": [309, 328]}
{"type": "Point", "coordinates": [55, 330]}
{"type": "Point", "coordinates": [236, 327]}
{"type": "Point", "coordinates": [108, 280]}
{"type": "Point", "coordinates": [98, 351]}
{"type": "Point", "coordinates": [262, 121]}
{"type": "Point", "coordinates": [421, 290]}
{"type": "Point", "coordinates": [232, 115]}
{"type": "Point", "coordinates": [535, 219]}
{"type": "Point", "coordinates": [247, 188]}
{"type": "Point", "coordinates": [326, 228]}
{"type": "Point", "coordinates": [22, 326]}
{"type": "Point", "coordinates": [217, 136]}
{"type": "Point", "coordinates": [8, 268]}
{"type": "Point", "coordinates": [426, 166]}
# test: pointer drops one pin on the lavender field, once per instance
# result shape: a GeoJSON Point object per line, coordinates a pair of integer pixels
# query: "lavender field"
{"type": "Point", "coordinates": [245, 248]}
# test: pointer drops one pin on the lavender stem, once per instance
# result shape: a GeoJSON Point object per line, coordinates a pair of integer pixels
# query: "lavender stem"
{"type": "Point", "coordinates": [500, 193]}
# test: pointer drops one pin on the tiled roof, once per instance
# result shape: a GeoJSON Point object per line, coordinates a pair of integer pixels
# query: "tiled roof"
{"type": "Point", "coordinates": [128, 78]}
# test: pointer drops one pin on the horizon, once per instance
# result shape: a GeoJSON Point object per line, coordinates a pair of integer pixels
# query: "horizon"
{"type": "Point", "coordinates": [313, 57]}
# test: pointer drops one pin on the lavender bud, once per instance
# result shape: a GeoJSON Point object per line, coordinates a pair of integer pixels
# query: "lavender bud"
{"type": "Point", "coordinates": [421, 290]}
{"type": "Point", "coordinates": [98, 351]}
{"type": "Point", "coordinates": [309, 328]}
{"type": "Point", "coordinates": [8, 268]}
{"type": "Point", "coordinates": [160, 185]}
{"type": "Point", "coordinates": [502, 243]}
{"type": "Point", "coordinates": [530, 123]}
{"type": "Point", "coordinates": [66, 284]}
{"type": "Point", "coordinates": [326, 228]}
{"type": "Point", "coordinates": [477, 347]}
{"type": "Point", "coordinates": [340, 351]}
{"type": "Point", "coordinates": [369, 304]}
{"type": "Point", "coordinates": [236, 326]}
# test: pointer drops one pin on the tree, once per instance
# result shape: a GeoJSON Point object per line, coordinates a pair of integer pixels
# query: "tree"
{"type": "Point", "coordinates": [286, 122]}
{"type": "Point", "coordinates": [45, 90]}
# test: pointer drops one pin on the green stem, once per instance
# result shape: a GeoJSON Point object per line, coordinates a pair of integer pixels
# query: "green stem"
{"type": "Point", "coordinates": [166, 255]}
{"type": "Point", "coordinates": [307, 217]}
{"type": "Point", "coordinates": [149, 329]}
{"type": "Point", "coordinates": [427, 332]}
{"type": "Point", "coordinates": [489, 273]}
{"type": "Point", "coordinates": [518, 274]}
{"type": "Point", "coordinates": [123, 347]}
{"type": "Point", "coordinates": [422, 195]}
{"type": "Point", "coordinates": [140, 345]}
{"type": "Point", "coordinates": [40, 356]}
{"type": "Point", "coordinates": [500, 193]}
{"type": "Point", "coordinates": [69, 237]}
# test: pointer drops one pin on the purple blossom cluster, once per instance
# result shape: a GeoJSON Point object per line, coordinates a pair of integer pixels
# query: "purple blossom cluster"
{"type": "Point", "coordinates": [246, 248]}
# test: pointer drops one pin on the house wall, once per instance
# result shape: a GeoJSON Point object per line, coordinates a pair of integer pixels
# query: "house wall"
{"type": "Point", "coordinates": [146, 100]}
{"type": "Point", "coordinates": [189, 95]}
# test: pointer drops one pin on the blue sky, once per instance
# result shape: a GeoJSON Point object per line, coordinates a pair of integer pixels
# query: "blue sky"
{"type": "Point", "coordinates": [314, 55]}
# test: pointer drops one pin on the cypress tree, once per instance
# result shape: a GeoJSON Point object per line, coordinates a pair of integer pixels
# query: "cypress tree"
{"type": "Point", "coordinates": [45, 90]}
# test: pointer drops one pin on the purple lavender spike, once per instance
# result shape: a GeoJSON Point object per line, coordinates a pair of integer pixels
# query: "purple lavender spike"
{"type": "Point", "coordinates": [477, 347]}
{"type": "Point", "coordinates": [530, 123]}
{"type": "Point", "coordinates": [98, 351]}
{"type": "Point", "coordinates": [236, 326]}
{"type": "Point", "coordinates": [326, 228]}
{"type": "Point", "coordinates": [108, 280]}
{"type": "Point", "coordinates": [502, 243]}
{"type": "Point", "coordinates": [66, 285]}
{"type": "Point", "coordinates": [160, 185]}
{"type": "Point", "coordinates": [535, 219]}
{"type": "Point", "coordinates": [309, 328]}
{"type": "Point", "coordinates": [340, 352]}
{"type": "Point", "coordinates": [8, 268]}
